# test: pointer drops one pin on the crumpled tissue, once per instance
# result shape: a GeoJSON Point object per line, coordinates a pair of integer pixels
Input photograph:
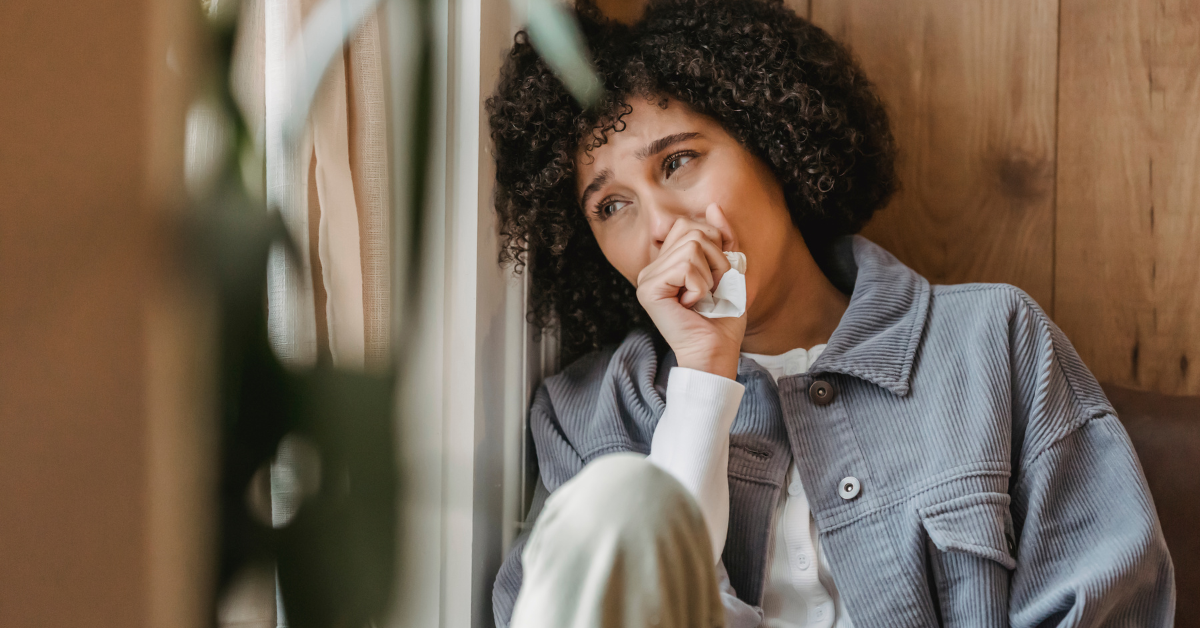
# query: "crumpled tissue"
{"type": "Point", "coordinates": [729, 299]}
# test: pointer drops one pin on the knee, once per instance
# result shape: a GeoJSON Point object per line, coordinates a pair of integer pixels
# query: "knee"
{"type": "Point", "coordinates": [622, 540]}
{"type": "Point", "coordinates": [620, 491]}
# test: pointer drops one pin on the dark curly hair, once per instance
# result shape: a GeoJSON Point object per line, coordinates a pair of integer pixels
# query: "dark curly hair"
{"type": "Point", "coordinates": [788, 92]}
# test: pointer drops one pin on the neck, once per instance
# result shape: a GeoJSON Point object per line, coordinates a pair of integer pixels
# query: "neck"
{"type": "Point", "coordinates": [796, 306]}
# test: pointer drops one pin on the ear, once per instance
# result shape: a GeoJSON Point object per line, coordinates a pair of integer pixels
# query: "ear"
{"type": "Point", "coordinates": [715, 216]}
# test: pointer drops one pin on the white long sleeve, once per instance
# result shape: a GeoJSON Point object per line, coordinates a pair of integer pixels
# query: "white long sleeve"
{"type": "Point", "coordinates": [691, 442]}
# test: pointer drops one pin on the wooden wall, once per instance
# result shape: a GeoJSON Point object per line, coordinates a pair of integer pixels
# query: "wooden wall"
{"type": "Point", "coordinates": [1055, 145]}
{"type": "Point", "coordinates": [103, 456]}
{"type": "Point", "coordinates": [72, 420]}
{"type": "Point", "coordinates": [1128, 272]}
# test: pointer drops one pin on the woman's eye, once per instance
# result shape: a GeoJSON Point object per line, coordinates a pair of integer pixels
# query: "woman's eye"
{"type": "Point", "coordinates": [675, 162]}
{"type": "Point", "coordinates": [608, 208]}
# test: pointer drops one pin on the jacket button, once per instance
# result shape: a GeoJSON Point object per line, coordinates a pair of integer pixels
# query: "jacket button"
{"type": "Point", "coordinates": [849, 488]}
{"type": "Point", "coordinates": [821, 392]}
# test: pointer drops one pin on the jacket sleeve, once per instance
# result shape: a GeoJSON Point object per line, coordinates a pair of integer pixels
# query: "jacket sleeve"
{"type": "Point", "coordinates": [1090, 550]}
{"type": "Point", "coordinates": [557, 462]}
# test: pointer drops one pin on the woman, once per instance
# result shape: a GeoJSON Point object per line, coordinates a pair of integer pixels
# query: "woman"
{"type": "Point", "coordinates": [858, 447]}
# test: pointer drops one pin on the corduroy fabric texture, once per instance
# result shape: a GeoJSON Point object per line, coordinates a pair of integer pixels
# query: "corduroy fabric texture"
{"type": "Point", "coordinates": [997, 486]}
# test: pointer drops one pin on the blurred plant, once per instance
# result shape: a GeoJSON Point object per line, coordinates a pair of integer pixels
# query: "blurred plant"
{"type": "Point", "coordinates": [555, 35]}
{"type": "Point", "coordinates": [335, 555]}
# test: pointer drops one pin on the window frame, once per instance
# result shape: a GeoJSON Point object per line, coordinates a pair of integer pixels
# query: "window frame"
{"type": "Point", "coordinates": [464, 454]}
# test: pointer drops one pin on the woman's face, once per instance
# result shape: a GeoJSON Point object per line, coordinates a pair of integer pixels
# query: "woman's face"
{"type": "Point", "coordinates": [670, 163]}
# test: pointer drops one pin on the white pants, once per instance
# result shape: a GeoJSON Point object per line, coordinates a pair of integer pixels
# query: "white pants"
{"type": "Point", "coordinates": [621, 545]}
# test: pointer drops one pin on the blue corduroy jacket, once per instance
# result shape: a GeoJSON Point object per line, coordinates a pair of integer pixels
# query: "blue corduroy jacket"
{"type": "Point", "coordinates": [997, 487]}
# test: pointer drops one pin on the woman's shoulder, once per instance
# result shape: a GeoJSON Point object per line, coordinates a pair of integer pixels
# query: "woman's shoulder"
{"type": "Point", "coordinates": [963, 309]}
{"type": "Point", "coordinates": [1001, 296]}
{"type": "Point", "coordinates": [1002, 320]}
{"type": "Point", "coordinates": [608, 400]}
{"type": "Point", "coordinates": [636, 351]}
{"type": "Point", "coordinates": [637, 359]}
{"type": "Point", "coordinates": [982, 315]}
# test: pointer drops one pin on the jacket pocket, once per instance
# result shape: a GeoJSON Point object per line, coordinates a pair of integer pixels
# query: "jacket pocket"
{"type": "Point", "coordinates": [978, 524]}
{"type": "Point", "coordinates": [970, 553]}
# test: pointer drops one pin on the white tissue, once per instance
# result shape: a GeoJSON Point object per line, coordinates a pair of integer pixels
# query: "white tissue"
{"type": "Point", "coordinates": [729, 299]}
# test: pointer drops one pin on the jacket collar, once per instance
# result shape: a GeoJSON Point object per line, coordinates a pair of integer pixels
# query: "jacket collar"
{"type": "Point", "coordinates": [878, 335]}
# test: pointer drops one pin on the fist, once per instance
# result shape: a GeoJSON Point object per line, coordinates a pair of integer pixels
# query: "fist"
{"type": "Point", "coordinates": [689, 265]}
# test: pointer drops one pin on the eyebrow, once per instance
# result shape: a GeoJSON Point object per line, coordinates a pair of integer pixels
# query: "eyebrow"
{"type": "Point", "coordinates": [653, 148]}
{"type": "Point", "coordinates": [663, 143]}
{"type": "Point", "coordinates": [595, 186]}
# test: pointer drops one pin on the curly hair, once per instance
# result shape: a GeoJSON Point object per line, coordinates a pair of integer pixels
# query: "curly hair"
{"type": "Point", "coordinates": [785, 89]}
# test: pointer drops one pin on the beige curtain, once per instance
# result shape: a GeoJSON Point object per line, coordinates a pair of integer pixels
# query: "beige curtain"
{"type": "Point", "coordinates": [332, 192]}
{"type": "Point", "coordinates": [369, 168]}
{"type": "Point", "coordinates": [336, 304]}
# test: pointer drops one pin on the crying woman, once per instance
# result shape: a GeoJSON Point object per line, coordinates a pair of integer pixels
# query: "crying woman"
{"type": "Point", "coordinates": [768, 420]}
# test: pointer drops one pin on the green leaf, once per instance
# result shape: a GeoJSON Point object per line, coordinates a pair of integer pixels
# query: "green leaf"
{"type": "Point", "coordinates": [556, 36]}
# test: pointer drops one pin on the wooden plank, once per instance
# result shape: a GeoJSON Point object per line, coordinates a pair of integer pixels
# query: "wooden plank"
{"type": "Point", "coordinates": [971, 90]}
{"type": "Point", "coordinates": [1128, 267]}
{"type": "Point", "coordinates": [78, 250]}
{"type": "Point", "coordinates": [627, 11]}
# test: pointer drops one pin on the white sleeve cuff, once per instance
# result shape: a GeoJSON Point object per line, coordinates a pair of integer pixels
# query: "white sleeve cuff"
{"type": "Point", "coordinates": [691, 442]}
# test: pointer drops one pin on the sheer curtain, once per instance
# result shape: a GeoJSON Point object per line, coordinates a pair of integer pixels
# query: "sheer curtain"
{"type": "Point", "coordinates": [332, 191]}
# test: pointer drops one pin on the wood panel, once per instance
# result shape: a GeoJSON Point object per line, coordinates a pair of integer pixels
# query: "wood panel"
{"type": "Point", "coordinates": [1128, 232]}
{"type": "Point", "coordinates": [971, 90]}
{"type": "Point", "coordinates": [74, 254]}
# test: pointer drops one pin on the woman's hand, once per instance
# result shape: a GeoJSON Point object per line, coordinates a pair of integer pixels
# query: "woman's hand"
{"type": "Point", "coordinates": [690, 264]}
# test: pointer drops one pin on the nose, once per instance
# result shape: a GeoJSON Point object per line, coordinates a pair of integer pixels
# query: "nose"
{"type": "Point", "coordinates": [662, 214]}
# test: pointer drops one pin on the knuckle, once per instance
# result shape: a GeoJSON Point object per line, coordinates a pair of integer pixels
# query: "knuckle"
{"type": "Point", "coordinates": [642, 279]}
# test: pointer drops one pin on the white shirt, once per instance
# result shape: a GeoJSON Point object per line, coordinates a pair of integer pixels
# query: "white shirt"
{"type": "Point", "coordinates": [692, 443]}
